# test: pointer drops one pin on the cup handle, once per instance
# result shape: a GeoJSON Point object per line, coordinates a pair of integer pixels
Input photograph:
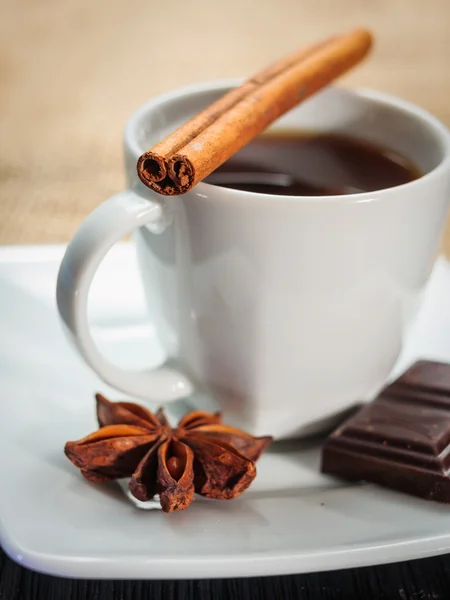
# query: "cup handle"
{"type": "Point", "coordinates": [105, 226]}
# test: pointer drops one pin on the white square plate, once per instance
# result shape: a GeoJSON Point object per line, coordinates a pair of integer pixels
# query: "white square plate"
{"type": "Point", "coordinates": [292, 519]}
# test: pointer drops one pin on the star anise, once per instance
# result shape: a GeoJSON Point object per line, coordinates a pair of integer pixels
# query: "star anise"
{"type": "Point", "coordinates": [200, 455]}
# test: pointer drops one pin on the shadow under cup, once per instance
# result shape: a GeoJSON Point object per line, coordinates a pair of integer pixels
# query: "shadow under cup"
{"type": "Point", "coordinates": [288, 310]}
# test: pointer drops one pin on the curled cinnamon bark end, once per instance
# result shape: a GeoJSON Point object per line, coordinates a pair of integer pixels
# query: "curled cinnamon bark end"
{"type": "Point", "coordinates": [151, 168]}
{"type": "Point", "coordinates": [168, 177]}
{"type": "Point", "coordinates": [182, 172]}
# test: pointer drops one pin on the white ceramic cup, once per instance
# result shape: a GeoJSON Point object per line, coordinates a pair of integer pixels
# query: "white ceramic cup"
{"type": "Point", "coordinates": [286, 310]}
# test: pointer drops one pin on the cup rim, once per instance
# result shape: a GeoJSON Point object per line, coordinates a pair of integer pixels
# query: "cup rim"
{"type": "Point", "coordinates": [204, 189]}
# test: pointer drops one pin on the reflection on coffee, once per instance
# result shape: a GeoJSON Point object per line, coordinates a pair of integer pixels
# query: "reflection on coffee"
{"type": "Point", "coordinates": [313, 164]}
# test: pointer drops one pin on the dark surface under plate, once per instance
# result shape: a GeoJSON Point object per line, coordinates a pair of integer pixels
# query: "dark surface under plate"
{"type": "Point", "coordinates": [427, 579]}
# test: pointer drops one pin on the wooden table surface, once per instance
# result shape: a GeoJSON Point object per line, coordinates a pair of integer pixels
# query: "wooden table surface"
{"type": "Point", "coordinates": [427, 579]}
{"type": "Point", "coordinates": [71, 72]}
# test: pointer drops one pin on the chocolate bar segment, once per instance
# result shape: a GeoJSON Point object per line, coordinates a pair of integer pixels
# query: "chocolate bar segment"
{"type": "Point", "coordinates": [401, 440]}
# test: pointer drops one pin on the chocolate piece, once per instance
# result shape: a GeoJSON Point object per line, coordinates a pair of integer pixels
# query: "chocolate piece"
{"type": "Point", "coordinates": [401, 440]}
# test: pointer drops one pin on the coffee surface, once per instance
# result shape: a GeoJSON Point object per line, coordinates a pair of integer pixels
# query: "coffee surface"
{"type": "Point", "coordinates": [313, 164]}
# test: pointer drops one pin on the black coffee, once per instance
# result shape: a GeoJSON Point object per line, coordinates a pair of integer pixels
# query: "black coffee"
{"type": "Point", "coordinates": [297, 164]}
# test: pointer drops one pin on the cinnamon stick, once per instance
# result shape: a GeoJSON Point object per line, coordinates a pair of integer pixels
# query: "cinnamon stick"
{"type": "Point", "coordinates": [206, 141]}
